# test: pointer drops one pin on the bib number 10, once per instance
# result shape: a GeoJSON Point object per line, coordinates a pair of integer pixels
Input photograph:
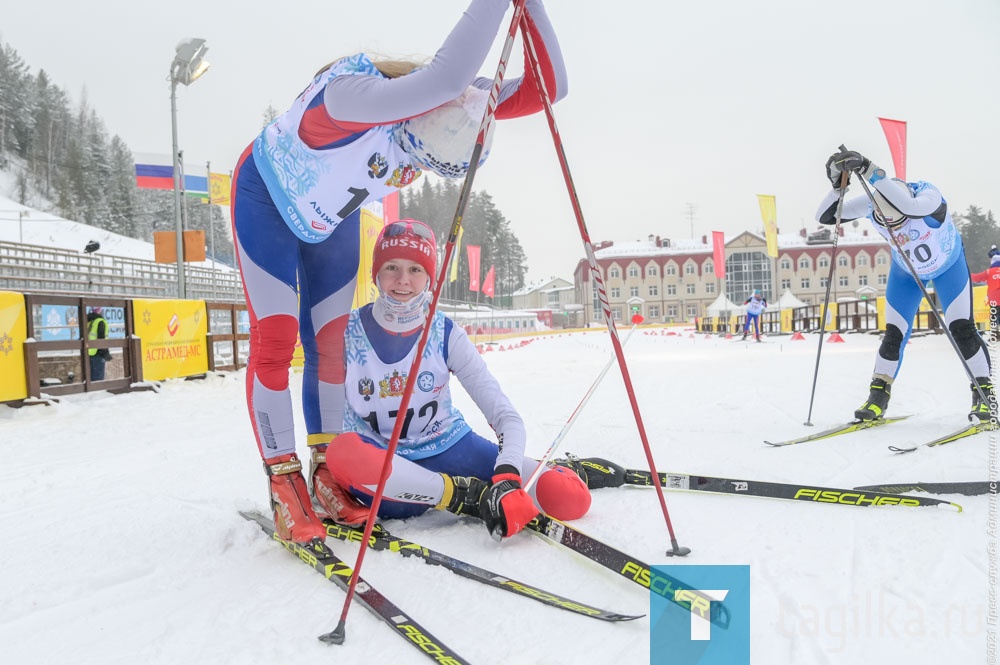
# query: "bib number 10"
{"type": "Point", "coordinates": [921, 253]}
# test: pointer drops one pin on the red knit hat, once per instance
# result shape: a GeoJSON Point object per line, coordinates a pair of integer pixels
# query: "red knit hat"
{"type": "Point", "coordinates": [406, 239]}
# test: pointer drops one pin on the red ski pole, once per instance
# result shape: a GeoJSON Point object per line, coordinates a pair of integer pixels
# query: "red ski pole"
{"type": "Point", "coordinates": [336, 636]}
{"type": "Point", "coordinates": [532, 61]}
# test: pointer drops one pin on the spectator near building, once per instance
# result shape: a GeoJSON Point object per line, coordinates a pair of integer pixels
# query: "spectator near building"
{"type": "Point", "coordinates": [97, 328]}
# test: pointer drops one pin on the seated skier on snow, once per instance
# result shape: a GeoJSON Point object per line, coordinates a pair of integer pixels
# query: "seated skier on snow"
{"type": "Point", "coordinates": [440, 461]}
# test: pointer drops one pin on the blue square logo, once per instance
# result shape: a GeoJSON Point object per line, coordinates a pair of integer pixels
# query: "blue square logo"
{"type": "Point", "coordinates": [699, 615]}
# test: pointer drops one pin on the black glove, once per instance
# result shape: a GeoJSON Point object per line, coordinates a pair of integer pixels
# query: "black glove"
{"type": "Point", "coordinates": [833, 172]}
{"type": "Point", "coordinates": [504, 506]}
{"type": "Point", "coordinates": [849, 160]}
{"type": "Point", "coordinates": [104, 353]}
{"type": "Point", "coordinates": [845, 160]}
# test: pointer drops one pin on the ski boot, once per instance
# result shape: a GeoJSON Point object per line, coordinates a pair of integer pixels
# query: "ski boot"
{"type": "Point", "coordinates": [878, 400]}
{"type": "Point", "coordinates": [982, 411]}
{"type": "Point", "coordinates": [596, 472]}
{"type": "Point", "coordinates": [294, 518]}
{"type": "Point", "coordinates": [462, 495]}
{"type": "Point", "coordinates": [338, 503]}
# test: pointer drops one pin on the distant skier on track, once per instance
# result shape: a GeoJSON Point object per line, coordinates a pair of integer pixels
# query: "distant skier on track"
{"type": "Point", "coordinates": [755, 304]}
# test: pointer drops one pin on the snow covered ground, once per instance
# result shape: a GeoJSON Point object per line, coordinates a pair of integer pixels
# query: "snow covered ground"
{"type": "Point", "coordinates": [122, 543]}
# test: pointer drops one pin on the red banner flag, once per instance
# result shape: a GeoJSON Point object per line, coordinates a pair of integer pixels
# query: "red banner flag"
{"type": "Point", "coordinates": [488, 283]}
{"type": "Point", "coordinates": [473, 253]}
{"type": "Point", "coordinates": [390, 207]}
{"type": "Point", "coordinates": [895, 134]}
{"type": "Point", "coordinates": [719, 253]}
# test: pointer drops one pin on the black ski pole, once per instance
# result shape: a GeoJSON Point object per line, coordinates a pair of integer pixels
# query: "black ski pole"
{"type": "Point", "coordinates": [845, 177]}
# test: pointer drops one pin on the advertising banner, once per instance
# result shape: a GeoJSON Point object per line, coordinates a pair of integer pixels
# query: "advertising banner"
{"type": "Point", "coordinates": [980, 308]}
{"type": "Point", "coordinates": [13, 332]}
{"type": "Point", "coordinates": [115, 316]}
{"type": "Point", "coordinates": [173, 337]}
{"type": "Point", "coordinates": [57, 322]}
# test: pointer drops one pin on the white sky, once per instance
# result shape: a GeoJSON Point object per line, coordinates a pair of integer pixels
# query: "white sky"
{"type": "Point", "coordinates": [670, 104]}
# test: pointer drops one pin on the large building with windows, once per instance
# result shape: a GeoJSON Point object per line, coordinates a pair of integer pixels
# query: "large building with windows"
{"type": "Point", "coordinates": [668, 280]}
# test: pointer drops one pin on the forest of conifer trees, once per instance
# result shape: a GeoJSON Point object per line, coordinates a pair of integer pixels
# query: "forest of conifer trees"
{"type": "Point", "coordinates": [483, 225]}
{"type": "Point", "coordinates": [65, 162]}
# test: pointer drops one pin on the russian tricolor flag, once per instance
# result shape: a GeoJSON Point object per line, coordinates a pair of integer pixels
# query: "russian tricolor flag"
{"type": "Point", "coordinates": [152, 176]}
{"type": "Point", "coordinates": [157, 172]}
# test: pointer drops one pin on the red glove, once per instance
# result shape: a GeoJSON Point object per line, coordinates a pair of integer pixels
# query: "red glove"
{"type": "Point", "coordinates": [505, 507]}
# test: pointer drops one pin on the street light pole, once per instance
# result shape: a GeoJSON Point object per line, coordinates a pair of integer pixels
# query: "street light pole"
{"type": "Point", "coordinates": [21, 214]}
{"type": "Point", "coordinates": [189, 63]}
{"type": "Point", "coordinates": [178, 226]}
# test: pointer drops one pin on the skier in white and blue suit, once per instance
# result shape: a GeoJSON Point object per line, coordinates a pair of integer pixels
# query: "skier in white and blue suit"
{"type": "Point", "coordinates": [917, 215]}
{"type": "Point", "coordinates": [755, 305]}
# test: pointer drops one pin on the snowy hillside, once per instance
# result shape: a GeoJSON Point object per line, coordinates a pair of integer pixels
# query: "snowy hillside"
{"type": "Point", "coordinates": [122, 543]}
{"type": "Point", "coordinates": [39, 228]}
{"type": "Point", "coordinates": [23, 224]}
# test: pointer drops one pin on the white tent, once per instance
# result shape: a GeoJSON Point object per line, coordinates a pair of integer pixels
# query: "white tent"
{"type": "Point", "coordinates": [788, 301]}
{"type": "Point", "coordinates": [723, 306]}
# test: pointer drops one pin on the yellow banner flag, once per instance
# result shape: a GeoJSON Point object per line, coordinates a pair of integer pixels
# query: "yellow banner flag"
{"type": "Point", "coordinates": [371, 225]}
{"type": "Point", "coordinates": [453, 277]}
{"type": "Point", "coordinates": [769, 213]}
{"type": "Point", "coordinates": [219, 186]}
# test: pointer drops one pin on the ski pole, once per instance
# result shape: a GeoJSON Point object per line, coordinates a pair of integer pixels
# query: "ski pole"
{"type": "Point", "coordinates": [845, 178]}
{"type": "Point", "coordinates": [923, 289]}
{"type": "Point", "coordinates": [572, 419]}
{"type": "Point", "coordinates": [531, 59]}
{"type": "Point", "coordinates": [336, 636]}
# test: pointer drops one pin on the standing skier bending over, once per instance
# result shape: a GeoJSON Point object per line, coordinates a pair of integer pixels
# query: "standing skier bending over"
{"type": "Point", "coordinates": [917, 215]}
{"type": "Point", "coordinates": [360, 130]}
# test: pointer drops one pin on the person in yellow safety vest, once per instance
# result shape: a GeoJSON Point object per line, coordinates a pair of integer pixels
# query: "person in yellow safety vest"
{"type": "Point", "coordinates": [97, 328]}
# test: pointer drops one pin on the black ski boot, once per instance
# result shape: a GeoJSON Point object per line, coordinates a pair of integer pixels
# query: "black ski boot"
{"type": "Point", "coordinates": [594, 471]}
{"type": "Point", "coordinates": [982, 411]}
{"type": "Point", "coordinates": [878, 401]}
{"type": "Point", "coordinates": [462, 495]}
